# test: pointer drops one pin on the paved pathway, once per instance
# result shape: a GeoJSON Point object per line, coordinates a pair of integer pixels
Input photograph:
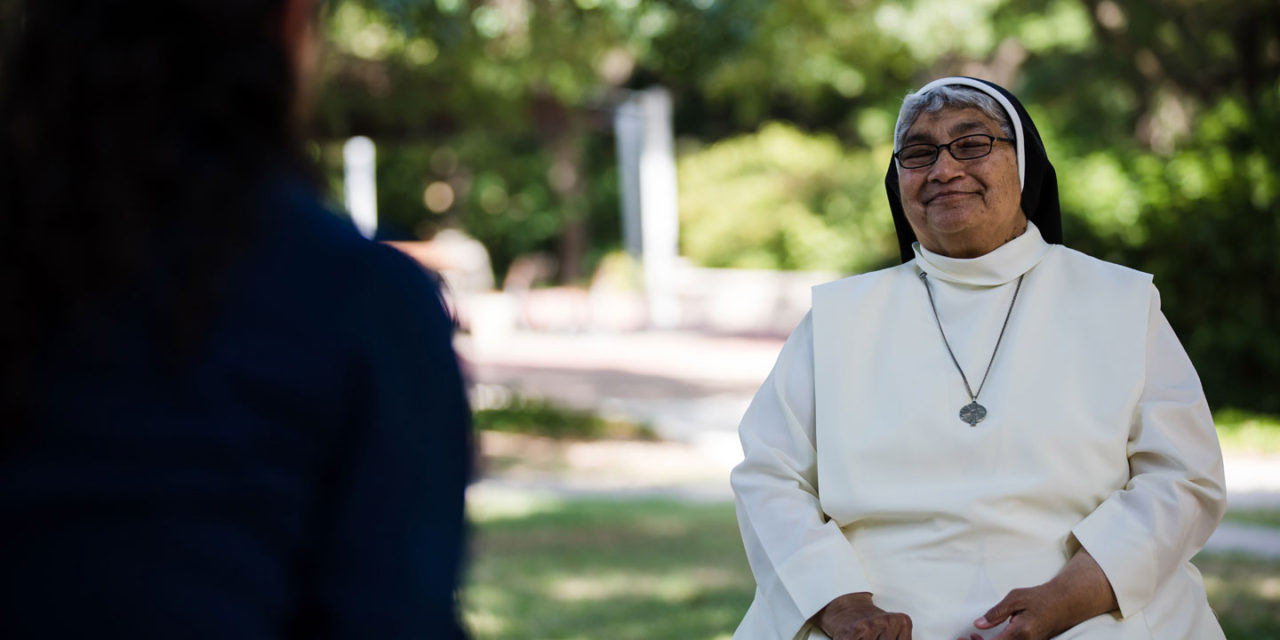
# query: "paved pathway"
{"type": "Point", "coordinates": [693, 389]}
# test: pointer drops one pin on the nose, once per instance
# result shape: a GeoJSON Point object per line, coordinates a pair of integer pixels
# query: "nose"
{"type": "Point", "coordinates": [946, 168]}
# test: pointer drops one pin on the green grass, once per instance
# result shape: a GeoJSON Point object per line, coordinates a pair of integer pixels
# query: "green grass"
{"type": "Point", "coordinates": [1245, 593]}
{"type": "Point", "coordinates": [617, 570]}
{"type": "Point", "coordinates": [1263, 517]}
{"type": "Point", "coordinates": [583, 570]}
{"type": "Point", "coordinates": [1248, 432]}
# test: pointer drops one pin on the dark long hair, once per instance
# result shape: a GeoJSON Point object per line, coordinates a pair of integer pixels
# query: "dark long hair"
{"type": "Point", "coordinates": [134, 139]}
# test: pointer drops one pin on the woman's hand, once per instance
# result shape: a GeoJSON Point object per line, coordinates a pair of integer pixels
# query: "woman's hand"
{"type": "Point", "coordinates": [1079, 592]}
{"type": "Point", "coordinates": [853, 617]}
{"type": "Point", "coordinates": [1033, 613]}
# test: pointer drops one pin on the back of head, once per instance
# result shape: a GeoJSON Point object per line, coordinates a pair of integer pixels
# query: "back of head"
{"type": "Point", "coordinates": [133, 137]}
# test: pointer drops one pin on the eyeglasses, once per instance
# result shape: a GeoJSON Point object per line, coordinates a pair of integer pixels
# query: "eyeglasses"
{"type": "Point", "coordinates": [970, 147]}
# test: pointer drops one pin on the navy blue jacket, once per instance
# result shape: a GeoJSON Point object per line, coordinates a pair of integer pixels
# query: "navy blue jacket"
{"type": "Point", "coordinates": [301, 475]}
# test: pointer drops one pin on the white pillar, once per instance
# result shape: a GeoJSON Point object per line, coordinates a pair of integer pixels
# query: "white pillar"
{"type": "Point", "coordinates": [358, 157]}
{"type": "Point", "coordinates": [647, 169]}
{"type": "Point", "coordinates": [628, 127]}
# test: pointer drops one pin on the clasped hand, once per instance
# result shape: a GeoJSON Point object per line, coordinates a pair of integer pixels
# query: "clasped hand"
{"type": "Point", "coordinates": [1032, 615]}
{"type": "Point", "coordinates": [853, 617]}
{"type": "Point", "coordinates": [1079, 592]}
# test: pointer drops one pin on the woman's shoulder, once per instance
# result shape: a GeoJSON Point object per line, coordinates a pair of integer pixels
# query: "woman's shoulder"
{"type": "Point", "coordinates": [313, 262]}
{"type": "Point", "coordinates": [1082, 265]}
{"type": "Point", "coordinates": [866, 281]}
{"type": "Point", "coordinates": [302, 227]}
{"type": "Point", "coordinates": [296, 211]}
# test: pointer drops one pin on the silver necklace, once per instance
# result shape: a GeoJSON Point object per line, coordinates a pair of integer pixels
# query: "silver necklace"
{"type": "Point", "coordinates": [971, 413]}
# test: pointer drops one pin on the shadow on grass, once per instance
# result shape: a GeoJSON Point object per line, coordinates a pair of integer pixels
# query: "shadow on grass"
{"type": "Point", "coordinates": [623, 570]}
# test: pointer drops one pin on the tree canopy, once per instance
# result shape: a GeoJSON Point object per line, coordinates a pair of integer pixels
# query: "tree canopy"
{"type": "Point", "coordinates": [1157, 115]}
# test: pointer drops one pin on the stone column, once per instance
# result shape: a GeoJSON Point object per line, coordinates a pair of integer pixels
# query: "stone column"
{"type": "Point", "coordinates": [647, 171]}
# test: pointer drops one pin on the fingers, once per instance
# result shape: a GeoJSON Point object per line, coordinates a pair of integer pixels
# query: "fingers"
{"type": "Point", "coordinates": [1011, 604]}
{"type": "Point", "coordinates": [994, 616]}
{"type": "Point", "coordinates": [904, 628]}
{"type": "Point", "coordinates": [1012, 632]}
{"type": "Point", "coordinates": [1021, 628]}
{"type": "Point", "coordinates": [990, 620]}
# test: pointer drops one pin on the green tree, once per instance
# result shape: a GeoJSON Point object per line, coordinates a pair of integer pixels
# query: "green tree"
{"type": "Point", "coordinates": [1157, 114]}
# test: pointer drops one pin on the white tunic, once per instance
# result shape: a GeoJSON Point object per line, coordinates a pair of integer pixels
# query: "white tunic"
{"type": "Point", "coordinates": [859, 476]}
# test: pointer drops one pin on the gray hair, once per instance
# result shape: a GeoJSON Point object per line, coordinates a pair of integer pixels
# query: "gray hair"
{"type": "Point", "coordinates": [948, 96]}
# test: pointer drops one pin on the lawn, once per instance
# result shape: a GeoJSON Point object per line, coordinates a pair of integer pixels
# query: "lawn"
{"type": "Point", "coordinates": [1245, 432]}
{"type": "Point", "coordinates": [620, 570]}
{"type": "Point", "coordinates": [1258, 517]}
{"type": "Point", "coordinates": [608, 570]}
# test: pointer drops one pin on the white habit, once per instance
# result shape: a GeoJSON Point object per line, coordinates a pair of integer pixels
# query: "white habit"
{"type": "Point", "coordinates": [859, 476]}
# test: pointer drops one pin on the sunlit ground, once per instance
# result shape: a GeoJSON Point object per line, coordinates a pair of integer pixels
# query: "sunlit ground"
{"type": "Point", "coordinates": [591, 569]}
{"type": "Point", "coordinates": [616, 570]}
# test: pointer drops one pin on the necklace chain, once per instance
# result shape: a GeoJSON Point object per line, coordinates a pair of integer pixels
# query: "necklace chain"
{"type": "Point", "coordinates": [924, 277]}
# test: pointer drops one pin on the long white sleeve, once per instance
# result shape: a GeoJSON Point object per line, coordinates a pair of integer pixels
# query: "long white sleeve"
{"type": "Point", "coordinates": [801, 559]}
{"type": "Point", "coordinates": [1176, 494]}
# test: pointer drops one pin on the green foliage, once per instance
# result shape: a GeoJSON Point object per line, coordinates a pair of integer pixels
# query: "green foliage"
{"type": "Point", "coordinates": [507, 201]}
{"type": "Point", "coordinates": [500, 193]}
{"type": "Point", "coordinates": [541, 417]}
{"type": "Point", "coordinates": [783, 199]}
{"type": "Point", "coordinates": [1157, 114]}
{"type": "Point", "coordinates": [1205, 219]}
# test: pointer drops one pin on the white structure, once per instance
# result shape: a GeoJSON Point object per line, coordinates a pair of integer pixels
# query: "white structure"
{"type": "Point", "coordinates": [647, 169]}
{"type": "Point", "coordinates": [358, 156]}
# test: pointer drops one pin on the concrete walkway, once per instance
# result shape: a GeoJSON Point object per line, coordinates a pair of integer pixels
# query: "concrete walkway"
{"type": "Point", "coordinates": [693, 389]}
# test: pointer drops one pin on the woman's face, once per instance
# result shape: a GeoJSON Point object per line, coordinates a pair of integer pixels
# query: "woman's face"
{"type": "Point", "coordinates": [962, 208]}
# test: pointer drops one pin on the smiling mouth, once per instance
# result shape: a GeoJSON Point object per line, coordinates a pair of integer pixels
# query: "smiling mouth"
{"type": "Point", "coordinates": [950, 195]}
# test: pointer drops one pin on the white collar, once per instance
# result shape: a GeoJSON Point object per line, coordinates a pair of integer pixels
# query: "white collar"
{"type": "Point", "coordinates": [1004, 264]}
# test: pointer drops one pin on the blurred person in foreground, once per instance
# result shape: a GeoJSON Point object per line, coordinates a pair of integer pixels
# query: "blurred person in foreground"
{"type": "Point", "coordinates": [1001, 437]}
{"type": "Point", "coordinates": [226, 415]}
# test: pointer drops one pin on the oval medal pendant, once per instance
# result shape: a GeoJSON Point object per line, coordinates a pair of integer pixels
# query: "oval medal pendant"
{"type": "Point", "coordinates": [973, 413]}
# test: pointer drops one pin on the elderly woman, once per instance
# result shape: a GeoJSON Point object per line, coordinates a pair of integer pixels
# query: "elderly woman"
{"type": "Point", "coordinates": [999, 438]}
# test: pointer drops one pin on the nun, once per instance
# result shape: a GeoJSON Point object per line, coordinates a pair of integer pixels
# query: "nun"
{"type": "Point", "coordinates": [999, 438]}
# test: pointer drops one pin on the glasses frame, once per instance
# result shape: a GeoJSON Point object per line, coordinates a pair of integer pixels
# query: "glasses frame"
{"type": "Point", "coordinates": [937, 149]}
